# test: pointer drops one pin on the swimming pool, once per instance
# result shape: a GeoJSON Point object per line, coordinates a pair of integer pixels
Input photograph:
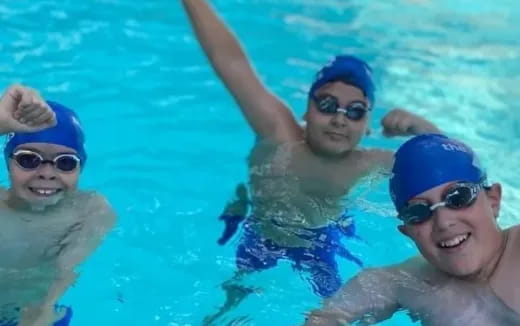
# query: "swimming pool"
{"type": "Point", "coordinates": [167, 143]}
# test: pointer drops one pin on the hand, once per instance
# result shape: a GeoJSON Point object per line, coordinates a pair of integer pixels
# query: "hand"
{"type": "Point", "coordinates": [23, 110]}
{"type": "Point", "coordinates": [399, 122]}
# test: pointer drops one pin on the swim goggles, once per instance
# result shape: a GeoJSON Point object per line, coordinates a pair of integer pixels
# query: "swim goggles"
{"type": "Point", "coordinates": [329, 104]}
{"type": "Point", "coordinates": [30, 160]}
{"type": "Point", "coordinates": [458, 196]}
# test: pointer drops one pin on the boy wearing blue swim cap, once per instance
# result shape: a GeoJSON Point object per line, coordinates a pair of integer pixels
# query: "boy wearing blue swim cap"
{"type": "Point", "coordinates": [299, 175]}
{"type": "Point", "coordinates": [48, 225]}
{"type": "Point", "coordinates": [469, 269]}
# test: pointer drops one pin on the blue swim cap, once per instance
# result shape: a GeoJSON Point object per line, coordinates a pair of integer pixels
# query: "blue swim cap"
{"type": "Point", "coordinates": [67, 132]}
{"type": "Point", "coordinates": [429, 160]}
{"type": "Point", "coordinates": [350, 70]}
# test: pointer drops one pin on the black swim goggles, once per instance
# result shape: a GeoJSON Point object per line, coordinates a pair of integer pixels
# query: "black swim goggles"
{"type": "Point", "coordinates": [30, 160]}
{"type": "Point", "coordinates": [458, 196]}
{"type": "Point", "coordinates": [329, 104]}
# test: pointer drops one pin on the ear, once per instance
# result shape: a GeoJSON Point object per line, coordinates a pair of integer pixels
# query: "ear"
{"type": "Point", "coordinates": [494, 195]}
{"type": "Point", "coordinates": [368, 130]}
{"type": "Point", "coordinates": [404, 230]}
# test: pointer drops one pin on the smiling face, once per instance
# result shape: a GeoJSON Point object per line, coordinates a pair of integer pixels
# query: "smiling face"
{"type": "Point", "coordinates": [333, 134]}
{"type": "Point", "coordinates": [461, 242]}
{"type": "Point", "coordinates": [44, 185]}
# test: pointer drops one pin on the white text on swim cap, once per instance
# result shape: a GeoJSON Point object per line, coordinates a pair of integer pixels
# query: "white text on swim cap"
{"type": "Point", "coordinates": [455, 148]}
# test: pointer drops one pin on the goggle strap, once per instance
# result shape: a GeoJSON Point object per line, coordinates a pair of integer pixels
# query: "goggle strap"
{"type": "Point", "coordinates": [435, 206]}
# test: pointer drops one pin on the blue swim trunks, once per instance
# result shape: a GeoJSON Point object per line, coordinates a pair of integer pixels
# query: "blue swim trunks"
{"type": "Point", "coordinates": [65, 321]}
{"type": "Point", "coordinates": [256, 253]}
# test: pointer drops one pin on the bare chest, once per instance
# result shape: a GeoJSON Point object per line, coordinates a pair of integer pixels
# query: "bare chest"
{"type": "Point", "coordinates": [299, 170]}
{"type": "Point", "coordinates": [458, 304]}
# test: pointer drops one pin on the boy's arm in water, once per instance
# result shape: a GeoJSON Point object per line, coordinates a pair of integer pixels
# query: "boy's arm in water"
{"type": "Point", "coordinates": [80, 241]}
{"type": "Point", "coordinates": [23, 110]}
{"type": "Point", "coordinates": [268, 116]}
{"type": "Point", "coordinates": [399, 122]}
{"type": "Point", "coordinates": [85, 237]}
{"type": "Point", "coordinates": [371, 296]}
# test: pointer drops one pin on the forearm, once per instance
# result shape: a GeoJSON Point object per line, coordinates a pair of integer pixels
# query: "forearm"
{"type": "Point", "coordinates": [371, 296]}
{"type": "Point", "coordinates": [424, 126]}
{"type": "Point", "coordinates": [217, 41]}
{"type": "Point", "coordinates": [43, 313]}
{"type": "Point", "coordinates": [267, 115]}
{"type": "Point", "coordinates": [64, 280]}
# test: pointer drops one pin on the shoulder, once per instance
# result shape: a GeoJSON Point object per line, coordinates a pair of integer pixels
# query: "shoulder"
{"type": "Point", "coordinates": [265, 149]}
{"type": "Point", "coordinates": [96, 208]}
{"type": "Point", "coordinates": [92, 199]}
{"type": "Point", "coordinates": [514, 236]}
{"type": "Point", "coordinates": [416, 266]}
{"type": "Point", "coordinates": [417, 273]}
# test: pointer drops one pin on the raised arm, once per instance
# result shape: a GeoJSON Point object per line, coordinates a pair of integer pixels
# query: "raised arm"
{"type": "Point", "coordinates": [371, 296]}
{"type": "Point", "coordinates": [398, 122]}
{"type": "Point", "coordinates": [266, 114]}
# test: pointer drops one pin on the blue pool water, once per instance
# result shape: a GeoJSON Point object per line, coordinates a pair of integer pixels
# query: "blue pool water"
{"type": "Point", "coordinates": [167, 143]}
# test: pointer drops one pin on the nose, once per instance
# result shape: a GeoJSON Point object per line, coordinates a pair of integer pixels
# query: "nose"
{"type": "Point", "coordinates": [46, 171]}
{"type": "Point", "coordinates": [339, 119]}
{"type": "Point", "coordinates": [444, 218]}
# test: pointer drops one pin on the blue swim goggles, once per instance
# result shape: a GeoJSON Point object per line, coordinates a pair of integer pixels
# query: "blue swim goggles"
{"type": "Point", "coordinates": [329, 104]}
{"type": "Point", "coordinates": [458, 196]}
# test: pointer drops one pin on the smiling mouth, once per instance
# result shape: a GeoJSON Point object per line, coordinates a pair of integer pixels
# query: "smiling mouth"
{"type": "Point", "coordinates": [454, 242]}
{"type": "Point", "coordinates": [44, 192]}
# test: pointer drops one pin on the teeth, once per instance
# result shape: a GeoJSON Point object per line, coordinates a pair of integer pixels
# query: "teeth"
{"type": "Point", "coordinates": [454, 242]}
{"type": "Point", "coordinates": [45, 192]}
